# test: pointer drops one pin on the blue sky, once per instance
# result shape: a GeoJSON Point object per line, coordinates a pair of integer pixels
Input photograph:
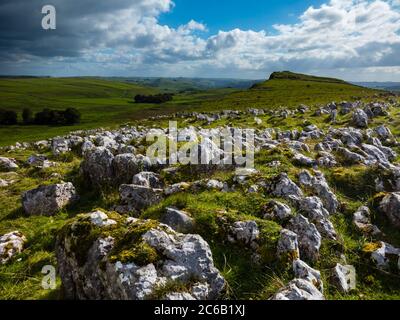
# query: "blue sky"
{"type": "Point", "coordinates": [230, 14]}
{"type": "Point", "coordinates": [356, 40]}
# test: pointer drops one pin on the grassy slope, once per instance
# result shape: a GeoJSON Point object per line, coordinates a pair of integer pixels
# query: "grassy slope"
{"type": "Point", "coordinates": [21, 279]}
{"type": "Point", "coordinates": [102, 103]}
{"type": "Point", "coordinates": [109, 103]}
{"type": "Point", "coordinates": [285, 91]}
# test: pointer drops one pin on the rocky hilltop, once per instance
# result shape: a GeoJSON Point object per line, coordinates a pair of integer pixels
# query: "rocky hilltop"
{"type": "Point", "coordinates": [317, 217]}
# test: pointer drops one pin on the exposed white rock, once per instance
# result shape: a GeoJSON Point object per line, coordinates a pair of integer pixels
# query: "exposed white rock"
{"type": "Point", "coordinates": [286, 188]}
{"type": "Point", "coordinates": [288, 246]}
{"type": "Point", "coordinates": [344, 278]}
{"type": "Point", "coordinates": [48, 200]}
{"type": "Point", "coordinates": [277, 210]}
{"type": "Point", "coordinates": [303, 271]}
{"type": "Point", "coordinates": [97, 275]}
{"type": "Point", "coordinates": [362, 220]}
{"type": "Point", "coordinates": [148, 179]}
{"type": "Point", "coordinates": [246, 232]}
{"type": "Point", "coordinates": [299, 289]}
{"type": "Point", "coordinates": [176, 188]}
{"type": "Point", "coordinates": [178, 220]}
{"type": "Point", "coordinates": [390, 205]}
{"type": "Point", "coordinates": [360, 118]}
{"type": "Point", "coordinates": [8, 164]}
{"type": "Point", "coordinates": [308, 236]}
{"type": "Point", "coordinates": [11, 244]}
{"type": "Point", "coordinates": [136, 198]}
{"type": "Point", "coordinates": [100, 219]}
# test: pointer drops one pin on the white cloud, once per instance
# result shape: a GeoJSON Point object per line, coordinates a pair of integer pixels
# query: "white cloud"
{"type": "Point", "coordinates": [127, 35]}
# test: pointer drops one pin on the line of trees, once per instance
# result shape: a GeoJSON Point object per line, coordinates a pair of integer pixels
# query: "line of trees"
{"type": "Point", "coordinates": [45, 117]}
{"type": "Point", "coordinates": [157, 98]}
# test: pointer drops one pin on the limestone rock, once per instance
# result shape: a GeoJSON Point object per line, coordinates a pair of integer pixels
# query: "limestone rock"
{"type": "Point", "coordinates": [246, 232]}
{"type": "Point", "coordinates": [8, 164]}
{"type": "Point", "coordinates": [97, 166]}
{"type": "Point", "coordinates": [286, 188]}
{"type": "Point", "coordinates": [138, 198]}
{"type": "Point", "coordinates": [277, 210]}
{"type": "Point", "coordinates": [11, 244]}
{"type": "Point", "coordinates": [48, 200]}
{"type": "Point", "coordinates": [178, 220]}
{"type": "Point", "coordinates": [303, 271]}
{"type": "Point", "coordinates": [390, 205]}
{"type": "Point", "coordinates": [362, 220]}
{"type": "Point", "coordinates": [344, 278]}
{"type": "Point", "coordinates": [308, 236]}
{"type": "Point", "coordinates": [148, 179]}
{"type": "Point", "coordinates": [91, 267]}
{"type": "Point", "coordinates": [360, 118]}
{"type": "Point", "coordinates": [288, 246]}
{"type": "Point", "coordinates": [299, 289]}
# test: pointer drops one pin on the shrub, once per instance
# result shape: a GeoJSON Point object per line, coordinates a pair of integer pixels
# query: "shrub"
{"type": "Point", "coordinates": [72, 116]}
{"type": "Point", "coordinates": [8, 117]}
{"type": "Point", "coordinates": [158, 98]}
{"type": "Point", "coordinates": [57, 117]}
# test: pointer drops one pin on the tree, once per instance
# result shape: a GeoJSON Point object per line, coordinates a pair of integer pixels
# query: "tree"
{"type": "Point", "coordinates": [27, 116]}
{"type": "Point", "coordinates": [72, 116]}
{"type": "Point", "coordinates": [8, 117]}
{"type": "Point", "coordinates": [158, 98]}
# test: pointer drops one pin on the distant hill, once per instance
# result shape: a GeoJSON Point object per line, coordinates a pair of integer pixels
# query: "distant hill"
{"type": "Point", "coordinates": [287, 75]}
{"type": "Point", "coordinates": [290, 89]}
{"type": "Point", "coordinates": [187, 84]}
{"type": "Point", "coordinates": [390, 86]}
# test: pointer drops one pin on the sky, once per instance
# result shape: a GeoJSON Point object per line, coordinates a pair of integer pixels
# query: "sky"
{"type": "Point", "coordinates": [356, 40]}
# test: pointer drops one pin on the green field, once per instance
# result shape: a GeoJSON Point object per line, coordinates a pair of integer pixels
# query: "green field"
{"type": "Point", "coordinates": [108, 103]}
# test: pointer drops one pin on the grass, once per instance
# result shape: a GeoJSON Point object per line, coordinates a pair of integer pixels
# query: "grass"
{"type": "Point", "coordinates": [109, 103]}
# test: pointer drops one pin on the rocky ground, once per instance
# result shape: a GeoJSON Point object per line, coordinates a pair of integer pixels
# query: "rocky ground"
{"type": "Point", "coordinates": [317, 218]}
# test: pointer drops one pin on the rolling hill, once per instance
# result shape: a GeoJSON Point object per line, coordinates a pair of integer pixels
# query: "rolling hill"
{"type": "Point", "coordinates": [289, 90]}
{"type": "Point", "coordinates": [105, 103]}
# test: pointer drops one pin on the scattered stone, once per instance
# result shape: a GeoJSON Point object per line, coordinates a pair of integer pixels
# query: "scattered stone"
{"type": "Point", "coordinates": [246, 232]}
{"type": "Point", "coordinates": [59, 146]}
{"type": "Point", "coordinates": [299, 289]}
{"type": "Point", "coordinates": [40, 161]}
{"type": "Point", "coordinates": [97, 165]}
{"type": "Point", "coordinates": [282, 186]}
{"type": "Point", "coordinates": [10, 245]}
{"type": "Point", "coordinates": [100, 219]}
{"type": "Point", "coordinates": [178, 220]}
{"type": "Point", "coordinates": [288, 246]}
{"type": "Point", "coordinates": [303, 160]}
{"type": "Point", "coordinates": [148, 179]}
{"type": "Point", "coordinates": [303, 271]}
{"type": "Point", "coordinates": [344, 278]}
{"type": "Point", "coordinates": [308, 236]}
{"type": "Point", "coordinates": [136, 198]}
{"type": "Point", "coordinates": [390, 205]}
{"type": "Point", "coordinates": [360, 118]}
{"type": "Point", "coordinates": [381, 254]}
{"type": "Point", "coordinates": [176, 188]}
{"type": "Point", "coordinates": [8, 164]}
{"type": "Point", "coordinates": [362, 220]}
{"type": "Point", "coordinates": [277, 210]}
{"type": "Point", "coordinates": [48, 200]}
